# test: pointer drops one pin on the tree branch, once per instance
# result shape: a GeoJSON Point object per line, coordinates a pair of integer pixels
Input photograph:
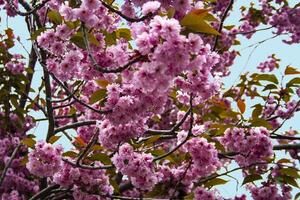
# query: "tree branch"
{"type": "Point", "coordinates": [94, 62]}
{"type": "Point", "coordinates": [43, 193]}
{"type": "Point", "coordinates": [31, 65]}
{"type": "Point", "coordinates": [174, 128]}
{"type": "Point", "coordinates": [187, 137]}
{"type": "Point", "coordinates": [129, 19]}
{"type": "Point", "coordinates": [75, 125]}
{"type": "Point", "coordinates": [7, 166]}
{"type": "Point", "coordinates": [78, 100]}
{"type": "Point", "coordinates": [221, 23]}
{"type": "Point", "coordinates": [27, 7]}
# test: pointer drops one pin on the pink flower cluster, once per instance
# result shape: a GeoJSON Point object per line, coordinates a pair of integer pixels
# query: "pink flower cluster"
{"type": "Point", "coordinates": [15, 66]}
{"type": "Point", "coordinates": [17, 183]}
{"type": "Point", "coordinates": [174, 54]}
{"type": "Point", "coordinates": [181, 7]}
{"type": "Point", "coordinates": [138, 167]}
{"type": "Point", "coordinates": [270, 192]}
{"type": "Point", "coordinates": [281, 112]}
{"type": "Point", "coordinates": [44, 160]}
{"type": "Point", "coordinates": [68, 60]}
{"type": "Point", "coordinates": [150, 7]}
{"type": "Point", "coordinates": [203, 194]}
{"type": "Point", "coordinates": [252, 145]}
{"type": "Point", "coordinates": [83, 180]}
{"type": "Point", "coordinates": [269, 65]}
{"type": "Point", "coordinates": [110, 136]}
{"type": "Point", "coordinates": [286, 20]}
{"type": "Point", "coordinates": [9, 10]}
{"type": "Point", "coordinates": [205, 157]}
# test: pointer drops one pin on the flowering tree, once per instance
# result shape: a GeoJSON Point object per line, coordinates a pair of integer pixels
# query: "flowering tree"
{"type": "Point", "coordinates": [141, 84]}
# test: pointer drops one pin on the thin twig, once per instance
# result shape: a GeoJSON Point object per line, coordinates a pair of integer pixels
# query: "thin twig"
{"type": "Point", "coordinates": [7, 166]}
{"type": "Point", "coordinates": [289, 115]}
{"type": "Point", "coordinates": [253, 31]}
{"type": "Point", "coordinates": [43, 193]}
{"type": "Point", "coordinates": [173, 129]}
{"type": "Point", "coordinates": [75, 125]}
{"type": "Point", "coordinates": [87, 166]}
{"type": "Point", "coordinates": [129, 19]}
{"type": "Point", "coordinates": [29, 10]}
{"type": "Point", "coordinates": [101, 69]}
{"type": "Point", "coordinates": [187, 137]}
{"type": "Point", "coordinates": [78, 100]}
{"type": "Point", "coordinates": [88, 146]}
{"type": "Point", "coordinates": [221, 23]}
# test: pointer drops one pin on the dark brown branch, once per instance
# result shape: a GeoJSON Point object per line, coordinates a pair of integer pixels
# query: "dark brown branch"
{"type": "Point", "coordinates": [44, 193]}
{"type": "Point", "coordinates": [203, 180]}
{"type": "Point", "coordinates": [253, 31]}
{"type": "Point", "coordinates": [222, 23]}
{"type": "Point", "coordinates": [129, 19]}
{"type": "Point", "coordinates": [289, 115]}
{"type": "Point", "coordinates": [287, 147]}
{"type": "Point", "coordinates": [284, 137]}
{"type": "Point", "coordinates": [92, 141]}
{"type": "Point", "coordinates": [94, 62]}
{"type": "Point", "coordinates": [50, 115]}
{"type": "Point", "coordinates": [87, 166]}
{"type": "Point", "coordinates": [75, 125]}
{"type": "Point", "coordinates": [29, 76]}
{"type": "Point", "coordinates": [173, 129]}
{"type": "Point", "coordinates": [78, 100]}
{"type": "Point", "coordinates": [35, 103]}
{"type": "Point", "coordinates": [69, 96]}
{"type": "Point", "coordinates": [27, 7]}
{"type": "Point", "coordinates": [187, 137]}
{"type": "Point", "coordinates": [7, 166]}
{"type": "Point", "coordinates": [63, 105]}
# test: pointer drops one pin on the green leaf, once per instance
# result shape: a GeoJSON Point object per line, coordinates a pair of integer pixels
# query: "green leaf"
{"type": "Point", "coordinates": [267, 77]}
{"type": "Point", "coordinates": [291, 71]}
{"type": "Point", "coordinates": [156, 191]}
{"type": "Point", "coordinates": [241, 105]}
{"type": "Point", "coordinates": [290, 172]}
{"type": "Point", "coordinates": [24, 161]}
{"type": "Point", "coordinates": [98, 95]}
{"type": "Point", "coordinates": [70, 154]}
{"type": "Point", "coordinates": [29, 142]}
{"type": "Point", "coordinates": [101, 157]}
{"type": "Point", "coordinates": [195, 21]}
{"type": "Point", "coordinates": [110, 38]}
{"type": "Point", "coordinates": [124, 33]}
{"type": "Point", "coordinates": [294, 82]}
{"type": "Point", "coordinates": [251, 178]}
{"type": "Point", "coordinates": [54, 138]}
{"type": "Point", "coordinates": [284, 160]}
{"type": "Point", "coordinates": [114, 184]}
{"type": "Point", "coordinates": [157, 152]}
{"type": "Point", "coordinates": [215, 181]}
{"type": "Point", "coordinates": [270, 87]}
{"type": "Point", "coordinates": [297, 196]}
{"type": "Point", "coordinates": [72, 111]}
{"type": "Point", "coordinates": [54, 17]}
{"type": "Point", "coordinates": [291, 181]}
{"type": "Point", "coordinates": [152, 140]}
{"type": "Point", "coordinates": [102, 82]}
{"type": "Point", "coordinates": [261, 122]}
{"type": "Point", "coordinates": [78, 40]}
{"type": "Point", "coordinates": [37, 33]}
{"type": "Point", "coordinates": [257, 111]}
{"type": "Point", "coordinates": [189, 196]}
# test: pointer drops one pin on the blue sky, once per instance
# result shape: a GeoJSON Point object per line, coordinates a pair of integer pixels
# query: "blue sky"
{"type": "Point", "coordinates": [289, 55]}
